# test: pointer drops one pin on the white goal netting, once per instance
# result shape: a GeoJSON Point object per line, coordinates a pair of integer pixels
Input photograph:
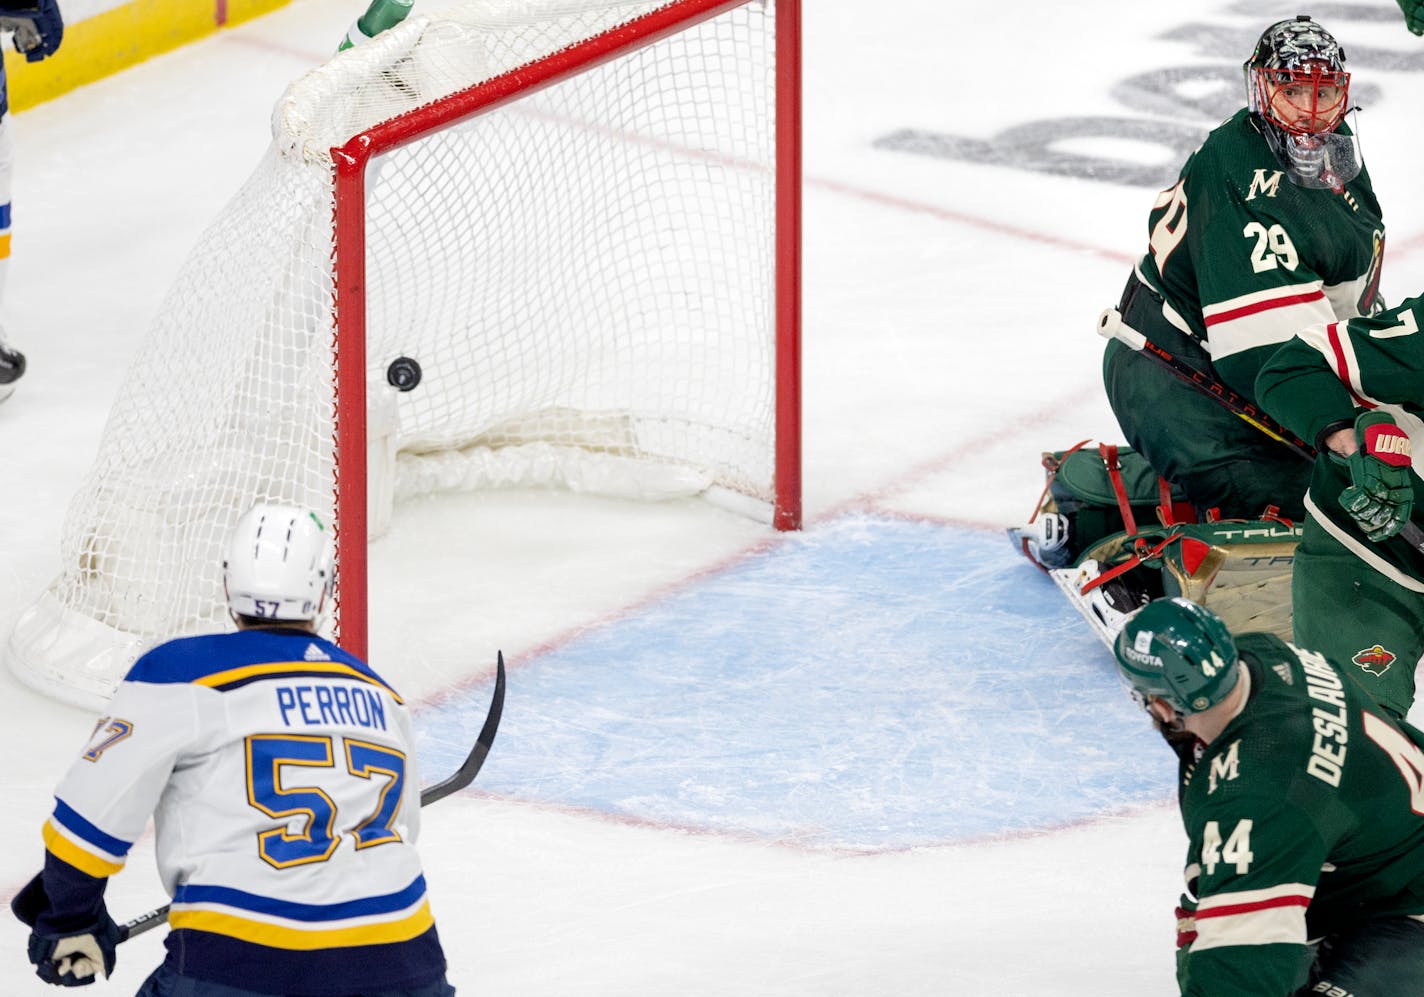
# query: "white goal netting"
{"type": "Point", "coordinates": [585, 276]}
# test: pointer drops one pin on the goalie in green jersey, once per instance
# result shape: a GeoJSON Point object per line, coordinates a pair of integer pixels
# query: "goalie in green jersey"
{"type": "Point", "coordinates": [1272, 226]}
{"type": "Point", "coordinates": [1303, 805]}
{"type": "Point", "coordinates": [1356, 390]}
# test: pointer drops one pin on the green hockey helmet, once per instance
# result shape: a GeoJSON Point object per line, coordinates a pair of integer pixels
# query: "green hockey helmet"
{"type": "Point", "coordinates": [1175, 650]}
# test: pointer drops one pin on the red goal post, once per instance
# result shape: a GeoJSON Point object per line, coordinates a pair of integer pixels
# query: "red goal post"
{"type": "Point", "coordinates": [580, 219]}
{"type": "Point", "coordinates": [351, 162]}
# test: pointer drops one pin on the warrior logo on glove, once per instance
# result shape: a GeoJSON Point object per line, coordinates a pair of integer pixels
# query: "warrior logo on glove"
{"type": "Point", "coordinates": [1381, 496]}
{"type": "Point", "coordinates": [1387, 442]}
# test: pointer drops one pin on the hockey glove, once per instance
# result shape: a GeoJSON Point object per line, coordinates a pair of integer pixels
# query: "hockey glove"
{"type": "Point", "coordinates": [66, 958]}
{"type": "Point", "coordinates": [38, 27]}
{"type": "Point", "coordinates": [1380, 497]}
{"type": "Point", "coordinates": [1413, 15]}
{"type": "Point", "coordinates": [76, 958]}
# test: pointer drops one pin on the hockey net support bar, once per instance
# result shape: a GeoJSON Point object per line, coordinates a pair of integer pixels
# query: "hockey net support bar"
{"type": "Point", "coordinates": [350, 164]}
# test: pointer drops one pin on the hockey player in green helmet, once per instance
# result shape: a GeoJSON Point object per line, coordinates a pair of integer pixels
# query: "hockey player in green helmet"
{"type": "Point", "coordinates": [1272, 226]}
{"type": "Point", "coordinates": [1303, 804]}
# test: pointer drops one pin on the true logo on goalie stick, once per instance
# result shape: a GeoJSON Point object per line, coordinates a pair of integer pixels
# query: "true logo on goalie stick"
{"type": "Point", "coordinates": [1375, 660]}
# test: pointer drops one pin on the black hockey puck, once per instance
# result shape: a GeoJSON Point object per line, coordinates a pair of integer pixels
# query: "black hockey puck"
{"type": "Point", "coordinates": [403, 373]}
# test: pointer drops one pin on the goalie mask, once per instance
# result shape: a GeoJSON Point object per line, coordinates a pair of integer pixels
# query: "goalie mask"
{"type": "Point", "coordinates": [1177, 651]}
{"type": "Point", "coordinates": [279, 565]}
{"type": "Point", "coordinates": [1296, 82]}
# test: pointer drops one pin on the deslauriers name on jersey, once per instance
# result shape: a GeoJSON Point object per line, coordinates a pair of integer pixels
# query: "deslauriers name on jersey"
{"type": "Point", "coordinates": [1327, 748]}
{"type": "Point", "coordinates": [330, 706]}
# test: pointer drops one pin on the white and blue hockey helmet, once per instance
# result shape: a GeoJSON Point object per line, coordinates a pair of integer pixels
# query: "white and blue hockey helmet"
{"type": "Point", "coordinates": [280, 564]}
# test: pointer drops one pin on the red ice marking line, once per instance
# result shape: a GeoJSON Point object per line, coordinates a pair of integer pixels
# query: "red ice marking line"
{"type": "Point", "coordinates": [513, 661]}
{"type": "Point", "coordinates": [1406, 247]}
{"type": "Point", "coordinates": [789, 842]}
{"type": "Point", "coordinates": [1112, 816]}
{"type": "Point", "coordinates": [833, 186]}
{"type": "Point", "coordinates": [869, 502]}
{"type": "Point", "coordinates": [974, 445]}
{"type": "Point", "coordinates": [307, 57]}
{"type": "Point", "coordinates": [961, 218]}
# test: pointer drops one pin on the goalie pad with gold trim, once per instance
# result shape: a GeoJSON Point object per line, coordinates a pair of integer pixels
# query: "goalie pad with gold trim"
{"type": "Point", "coordinates": [1113, 535]}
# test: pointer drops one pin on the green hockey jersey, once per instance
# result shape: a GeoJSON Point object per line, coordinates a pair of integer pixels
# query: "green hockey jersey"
{"type": "Point", "coordinates": [1244, 259]}
{"type": "Point", "coordinates": [1304, 817]}
{"type": "Point", "coordinates": [1321, 379]}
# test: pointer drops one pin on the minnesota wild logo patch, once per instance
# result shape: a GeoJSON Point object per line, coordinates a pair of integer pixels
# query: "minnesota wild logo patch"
{"type": "Point", "coordinates": [1375, 660]}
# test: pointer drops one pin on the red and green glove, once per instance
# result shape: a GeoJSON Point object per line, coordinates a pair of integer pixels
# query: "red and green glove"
{"type": "Point", "coordinates": [1381, 496]}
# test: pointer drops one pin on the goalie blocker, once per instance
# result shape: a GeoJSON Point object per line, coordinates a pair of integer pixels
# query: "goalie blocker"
{"type": "Point", "coordinates": [1113, 536]}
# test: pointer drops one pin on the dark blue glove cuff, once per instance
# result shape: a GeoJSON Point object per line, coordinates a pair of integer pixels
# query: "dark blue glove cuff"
{"type": "Point", "coordinates": [31, 902]}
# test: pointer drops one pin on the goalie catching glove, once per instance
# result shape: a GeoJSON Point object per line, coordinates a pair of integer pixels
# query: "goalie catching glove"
{"type": "Point", "coordinates": [1381, 496]}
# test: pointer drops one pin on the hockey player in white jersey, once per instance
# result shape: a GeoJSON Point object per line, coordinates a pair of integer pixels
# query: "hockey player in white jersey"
{"type": "Point", "coordinates": [280, 774]}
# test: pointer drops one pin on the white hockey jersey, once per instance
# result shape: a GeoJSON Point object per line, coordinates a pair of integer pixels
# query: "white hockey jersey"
{"type": "Point", "coordinates": [281, 777]}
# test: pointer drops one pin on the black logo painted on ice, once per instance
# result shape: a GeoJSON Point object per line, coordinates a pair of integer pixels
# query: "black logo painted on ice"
{"type": "Point", "coordinates": [1207, 93]}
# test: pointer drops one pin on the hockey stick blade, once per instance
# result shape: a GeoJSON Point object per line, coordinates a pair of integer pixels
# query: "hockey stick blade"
{"type": "Point", "coordinates": [470, 768]}
{"type": "Point", "coordinates": [461, 778]}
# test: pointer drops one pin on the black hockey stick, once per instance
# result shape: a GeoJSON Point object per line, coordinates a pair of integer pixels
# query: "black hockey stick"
{"type": "Point", "coordinates": [462, 777]}
{"type": "Point", "coordinates": [1111, 326]}
{"type": "Point", "coordinates": [470, 767]}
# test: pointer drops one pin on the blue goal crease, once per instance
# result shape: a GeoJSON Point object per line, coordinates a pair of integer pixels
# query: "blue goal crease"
{"type": "Point", "coordinates": [870, 684]}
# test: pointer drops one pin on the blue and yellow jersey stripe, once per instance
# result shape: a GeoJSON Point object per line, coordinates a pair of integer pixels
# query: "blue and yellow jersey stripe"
{"type": "Point", "coordinates": [225, 662]}
{"type": "Point", "coordinates": [281, 936]}
{"type": "Point", "coordinates": [72, 839]}
{"type": "Point", "coordinates": [260, 920]}
{"type": "Point", "coordinates": [236, 678]}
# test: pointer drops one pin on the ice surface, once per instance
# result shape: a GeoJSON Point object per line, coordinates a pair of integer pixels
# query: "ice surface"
{"type": "Point", "coordinates": [882, 757]}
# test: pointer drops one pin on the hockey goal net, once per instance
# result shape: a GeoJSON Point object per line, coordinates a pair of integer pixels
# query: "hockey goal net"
{"type": "Point", "coordinates": [532, 242]}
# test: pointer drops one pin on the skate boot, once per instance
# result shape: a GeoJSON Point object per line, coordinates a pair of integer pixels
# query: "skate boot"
{"type": "Point", "coordinates": [1115, 601]}
{"type": "Point", "coordinates": [1044, 541]}
{"type": "Point", "coordinates": [12, 368]}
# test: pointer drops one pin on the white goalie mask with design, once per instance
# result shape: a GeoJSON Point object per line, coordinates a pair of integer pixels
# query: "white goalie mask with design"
{"type": "Point", "coordinates": [1296, 82]}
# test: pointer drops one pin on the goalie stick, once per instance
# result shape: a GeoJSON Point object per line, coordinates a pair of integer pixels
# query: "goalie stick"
{"type": "Point", "coordinates": [1111, 326]}
{"type": "Point", "coordinates": [462, 777]}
